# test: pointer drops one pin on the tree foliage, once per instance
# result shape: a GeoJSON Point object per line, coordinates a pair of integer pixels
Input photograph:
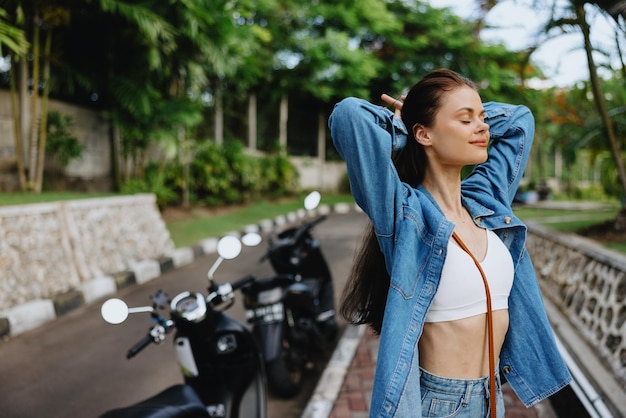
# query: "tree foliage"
{"type": "Point", "coordinates": [163, 71]}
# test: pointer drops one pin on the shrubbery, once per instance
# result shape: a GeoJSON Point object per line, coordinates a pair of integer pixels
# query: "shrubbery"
{"type": "Point", "coordinates": [219, 175]}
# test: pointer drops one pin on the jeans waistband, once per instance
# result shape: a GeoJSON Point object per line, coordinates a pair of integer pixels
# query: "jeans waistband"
{"type": "Point", "coordinates": [455, 385]}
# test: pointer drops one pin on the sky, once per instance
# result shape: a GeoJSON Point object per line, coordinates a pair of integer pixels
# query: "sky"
{"type": "Point", "coordinates": [562, 58]}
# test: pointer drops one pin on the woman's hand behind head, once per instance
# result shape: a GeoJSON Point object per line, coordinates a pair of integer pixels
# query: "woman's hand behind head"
{"type": "Point", "coordinates": [397, 104]}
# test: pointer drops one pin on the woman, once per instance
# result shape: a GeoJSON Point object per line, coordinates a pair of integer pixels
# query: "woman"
{"type": "Point", "coordinates": [421, 286]}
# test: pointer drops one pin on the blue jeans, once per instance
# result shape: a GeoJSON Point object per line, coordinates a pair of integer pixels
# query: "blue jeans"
{"type": "Point", "coordinates": [448, 397]}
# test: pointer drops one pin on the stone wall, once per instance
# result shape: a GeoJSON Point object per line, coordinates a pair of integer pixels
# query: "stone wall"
{"type": "Point", "coordinates": [56, 251]}
{"type": "Point", "coordinates": [587, 283]}
{"type": "Point", "coordinates": [89, 172]}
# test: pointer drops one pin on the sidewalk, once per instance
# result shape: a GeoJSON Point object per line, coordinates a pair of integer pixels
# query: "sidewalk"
{"type": "Point", "coordinates": [352, 399]}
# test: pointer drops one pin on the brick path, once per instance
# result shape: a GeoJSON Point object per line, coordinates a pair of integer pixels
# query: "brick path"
{"type": "Point", "coordinates": [355, 394]}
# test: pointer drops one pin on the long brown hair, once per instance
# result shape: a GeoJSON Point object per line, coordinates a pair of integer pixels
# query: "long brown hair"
{"type": "Point", "coordinates": [365, 295]}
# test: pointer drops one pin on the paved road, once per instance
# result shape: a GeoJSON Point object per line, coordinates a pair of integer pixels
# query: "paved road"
{"type": "Point", "coordinates": [76, 365]}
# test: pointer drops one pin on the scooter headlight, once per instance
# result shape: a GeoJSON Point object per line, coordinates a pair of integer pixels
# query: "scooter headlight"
{"type": "Point", "coordinates": [226, 343]}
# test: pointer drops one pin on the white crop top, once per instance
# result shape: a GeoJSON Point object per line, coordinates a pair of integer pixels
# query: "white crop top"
{"type": "Point", "coordinates": [461, 291]}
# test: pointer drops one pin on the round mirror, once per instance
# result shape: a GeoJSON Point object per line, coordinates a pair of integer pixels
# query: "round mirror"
{"type": "Point", "coordinates": [229, 247]}
{"type": "Point", "coordinates": [312, 200]}
{"type": "Point", "coordinates": [114, 311]}
{"type": "Point", "coordinates": [251, 239]}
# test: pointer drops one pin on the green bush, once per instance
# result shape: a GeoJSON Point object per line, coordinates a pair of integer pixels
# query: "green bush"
{"type": "Point", "coordinates": [226, 174]}
{"type": "Point", "coordinates": [279, 176]}
{"type": "Point", "coordinates": [60, 143]}
{"type": "Point", "coordinates": [610, 179]}
{"type": "Point", "coordinates": [219, 175]}
{"type": "Point", "coordinates": [153, 182]}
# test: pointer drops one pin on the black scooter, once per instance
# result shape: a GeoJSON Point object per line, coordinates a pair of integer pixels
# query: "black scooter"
{"type": "Point", "coordinates": [221, 362]}
{"type": "Point", "coordinates": [292, 314]}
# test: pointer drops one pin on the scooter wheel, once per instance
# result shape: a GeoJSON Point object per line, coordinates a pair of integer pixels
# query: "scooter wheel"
{"type": "Point", "coordinates": [285, 375]}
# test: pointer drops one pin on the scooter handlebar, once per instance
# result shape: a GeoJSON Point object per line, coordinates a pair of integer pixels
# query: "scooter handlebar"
{"type": "Point", "coordinates": [143, 343]}
{"type": "Point", "coordinates": [156, 335]}
{"type": "Point", "coordinates": [224, 292]}
{"type": "Point", "coordinates": [293, 239]}
{"type": "Point", "coordinates": [244, 281]}
{"type": "Point", "coordinates": [266, 283]}
{"type": "Point", "coordinates": [318, 220]}
{"type": "Point", "coordinates": [307, 226]}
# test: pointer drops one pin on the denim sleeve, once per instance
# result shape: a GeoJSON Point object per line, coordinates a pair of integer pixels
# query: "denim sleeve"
{"type": "Point", "coordinates": [512, 130]}
{"type": "Point", "coordinates": [365, 136]}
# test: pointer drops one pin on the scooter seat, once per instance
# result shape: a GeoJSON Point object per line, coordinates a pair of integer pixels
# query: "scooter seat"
{"type": "Point", "coordinates": [178, 401]}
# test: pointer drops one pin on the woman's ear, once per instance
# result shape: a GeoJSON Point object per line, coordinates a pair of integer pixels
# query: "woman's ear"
{"type": "Point", "coordinates": [421, 135]}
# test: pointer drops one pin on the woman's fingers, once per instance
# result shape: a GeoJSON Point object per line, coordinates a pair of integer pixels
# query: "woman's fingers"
{"type": "Point", "coordinates": [396, 103]}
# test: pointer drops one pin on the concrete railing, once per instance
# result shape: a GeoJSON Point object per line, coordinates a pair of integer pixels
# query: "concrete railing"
{"type": "Point", "coordinates": [586, 283]}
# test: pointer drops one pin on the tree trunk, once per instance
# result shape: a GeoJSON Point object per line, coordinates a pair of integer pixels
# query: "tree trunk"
{"type": "Point", "coordinates": [43, 125]}
{"type": "Point", "coordinates": [17, 127]}
{"type": "Point", "coordinates": [219, 113]}
{"type": "Point", "coordinates": [23, 95]}
{"type": "Point", "coordinates": [321, 146]}
{"type": "Point", "coordinates": [282, 123]}
{"type": "Point", "coordinates": [252, 122]}
{"type": "Point", "coordinates": [598, 96]}
{"type": "Point", "coordinates": [620, 55]}
{"type": "Point", "coordinates": [34, 115]}
{"type": "Point", "coordinates": [184, 156]}
{"type": "Point", "coordinates": [115, 147]}
{"type": "Point", "coordinates": [620, 222]}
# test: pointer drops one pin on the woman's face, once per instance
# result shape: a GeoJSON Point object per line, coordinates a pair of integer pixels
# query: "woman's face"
{"type": "Point", "coordinates": [459, 135]}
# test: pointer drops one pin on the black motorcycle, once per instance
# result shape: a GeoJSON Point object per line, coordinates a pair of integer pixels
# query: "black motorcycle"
{"type": "Point", "coordinates": [292, 313]}
{"type": "Point", "coordinates": [220, 360]}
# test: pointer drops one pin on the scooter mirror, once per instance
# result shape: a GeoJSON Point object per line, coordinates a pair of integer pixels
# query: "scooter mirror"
{"type": "Point", "coordinates": [312, 200]}
{"type": "Point", "coordinates": [229, 247]}
{"type": "Point", "coordinates": [251, 239]}
{"type": "Point", "coordinates": [114, 311]}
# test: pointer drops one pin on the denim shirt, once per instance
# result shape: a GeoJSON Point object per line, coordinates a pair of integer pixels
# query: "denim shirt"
{"type": "Point", "coordinates": [413, 233]}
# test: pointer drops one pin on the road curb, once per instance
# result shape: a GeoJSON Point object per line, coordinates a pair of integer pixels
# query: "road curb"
{"type": "Point", "coordinates": [329, 385]}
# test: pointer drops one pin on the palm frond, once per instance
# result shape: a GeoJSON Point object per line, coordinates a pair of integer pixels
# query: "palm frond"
{"type": "Point", "coordinates": [12, 36]}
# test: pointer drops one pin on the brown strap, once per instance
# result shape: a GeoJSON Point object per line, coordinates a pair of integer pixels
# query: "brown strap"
{"type": "Point", "coordinates": [492, 360]}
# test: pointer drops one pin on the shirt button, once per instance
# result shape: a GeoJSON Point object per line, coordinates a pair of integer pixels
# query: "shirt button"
{"type": "Point", "coordinates": [440, 251]}
{"type": "Point", "coordinates": [507, 220]}
{"type": "Point", "coordinates": [506, 369]}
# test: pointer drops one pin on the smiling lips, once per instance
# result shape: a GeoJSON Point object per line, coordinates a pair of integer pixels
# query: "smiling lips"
{"type": "Point", "coordinates": [480, 142]}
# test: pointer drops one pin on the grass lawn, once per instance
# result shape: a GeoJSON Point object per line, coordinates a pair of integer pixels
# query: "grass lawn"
{"type": "Point", "coordinates": [567, 220]}
{"type": "Point", "coordinates": [573, 221]}
{"type": "Point", "coordinates": [197, 226]}
{"type": "Point", "coordinates": [25, 198]}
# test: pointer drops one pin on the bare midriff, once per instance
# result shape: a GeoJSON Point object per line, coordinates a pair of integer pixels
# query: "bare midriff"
{"type": "Point", "coordinates": [460, 348]}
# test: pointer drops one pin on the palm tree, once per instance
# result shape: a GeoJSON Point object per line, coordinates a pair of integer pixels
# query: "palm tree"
{"type": "Point", "coordinates": [598, 96]}
{"type": "Point", "coordinates": [13, 38]}
{"type": "Point", "coordinates": [574, 16]}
